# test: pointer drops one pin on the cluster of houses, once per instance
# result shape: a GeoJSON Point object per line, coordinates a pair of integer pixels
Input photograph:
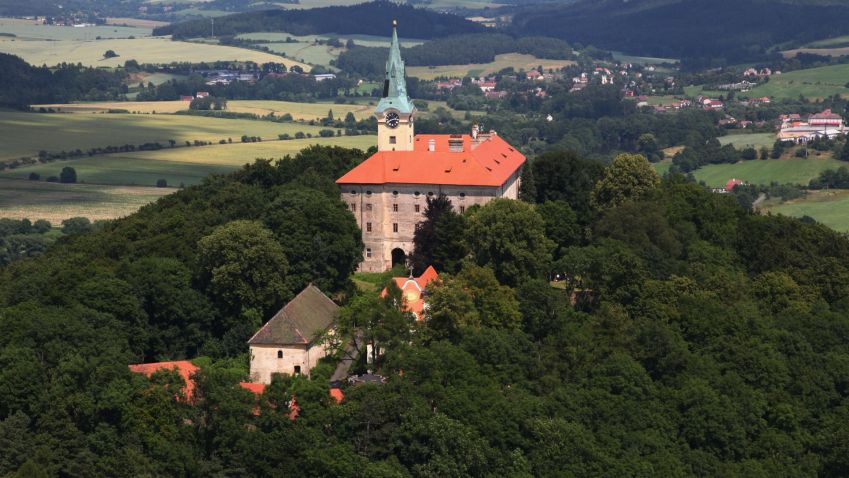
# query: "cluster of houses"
{"type": "Point", "coordinates": [796, 128]}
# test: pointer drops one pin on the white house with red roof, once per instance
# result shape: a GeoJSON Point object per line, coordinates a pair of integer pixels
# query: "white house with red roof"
{"type": "Point", "coordinates": [387, 192]}
{"type": "Point", "coordinates": [413, 291]}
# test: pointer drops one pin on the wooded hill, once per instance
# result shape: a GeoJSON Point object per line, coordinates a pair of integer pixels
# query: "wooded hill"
{"type": "Point", "coordinates": [374, 18]}
{"type": "Point", "coordinates": [702, 31]}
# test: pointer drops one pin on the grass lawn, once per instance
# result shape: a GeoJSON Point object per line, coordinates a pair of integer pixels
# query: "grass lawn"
{"type": "Point", "coordinates": [179, 165]}
{"type": "Point", "coordinates": [143, 50]}
{"type": "Point", "coordinates": [305, 111]}
{"type": "Point", "coordinates": [812, 83]}
{"type": "Point", "coordinates": [24, 134]}
{"type": "Point", "coordinates": [30, 30]}
{"type": "Point", "coordinates": [754, 140]}
{"type": "Point", "coordinates": [516, 60]}
{"type": "Point", "coordinates": [829, 42]}
{"type": "Point", "coordinates": [57, 202]}
{"type": "Point", "coordinates": [644, 60]}
{"type": "Point", "coordinates": [830, 207]}
{"type": "Point", "coordinates": [836, 51]}
{"type": "Point", "coordinates": [794, 171]}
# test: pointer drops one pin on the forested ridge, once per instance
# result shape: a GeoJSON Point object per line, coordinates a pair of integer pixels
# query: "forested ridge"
{"type": "Point", "coordinates": [703, 340]}
{"type": "Point", "coordinates": [365, 18]}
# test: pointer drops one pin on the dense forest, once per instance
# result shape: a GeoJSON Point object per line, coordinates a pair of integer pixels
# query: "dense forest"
{"type": "Point", "coordinates": [686, 337]}
{"type": "Point", "coordinates": [365, 18]}
{"type": "Point", "coordinates": [453, 50]}
{"type": "Point", "coordinates": [702, 32]}
{"type": "Point", "coordinates": [22, 84]}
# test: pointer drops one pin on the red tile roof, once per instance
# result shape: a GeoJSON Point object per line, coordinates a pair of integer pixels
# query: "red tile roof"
{"type": "Point", "coordinates": [490, 163]}
{"type": "Point", "coordinates": [185, 368]}
{"type": "Point", "coordinates": [256, 388]}
{"type": "Point", "coordinates": [411, 290]}
{"type": "Point", "coordinates": [337, 394]}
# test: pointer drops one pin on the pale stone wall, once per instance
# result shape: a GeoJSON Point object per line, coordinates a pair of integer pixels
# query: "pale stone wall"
{"type": "Point", "coordinates": [375, 205]}
{"type": "Point", "coordinates": [264, 361]}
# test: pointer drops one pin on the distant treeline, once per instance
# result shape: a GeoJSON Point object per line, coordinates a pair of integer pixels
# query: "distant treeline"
{"type": "Point", "coordinates": [454, 50]}
{"type": "Point", "coordinates": [367, 18]}
{"type": "Point", "coordinates": [702, 32]}
{"type": "Point", "coordinates": [22, 84]}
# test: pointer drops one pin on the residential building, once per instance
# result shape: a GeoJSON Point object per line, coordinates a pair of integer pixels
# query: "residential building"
{"type": "Point", "coordinates": [414, 291]}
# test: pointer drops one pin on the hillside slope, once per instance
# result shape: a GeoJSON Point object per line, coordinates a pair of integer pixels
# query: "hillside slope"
{"type": "Point", "coordinates": [712, 31]}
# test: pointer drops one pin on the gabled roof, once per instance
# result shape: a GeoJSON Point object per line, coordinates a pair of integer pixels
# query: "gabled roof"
{"type": "Point", "coordinates": [487, 162]}
{"type": "Point", "coordinates": [411, 290]}
{"type": "Point", "coordinates": [185, 368]}
{"type": "Point", "coordinates": [297, 323]}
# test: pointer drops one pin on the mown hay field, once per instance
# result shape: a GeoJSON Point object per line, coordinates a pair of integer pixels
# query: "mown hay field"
{"type": "Point", "coordinates": [25, 134]}
{"type": "Point", "coordinates": [186, 166]}
{"type": "Point", "coordinates": [752, 140]}
{"type": "Point", "coordinates": [56, 202]}
{"type": "Point", "coordinates": [793, 171]}
{"type": "Point", "coordinates": [33, 30]}
{"type": "Point", "coordinates": [518, 61]}
{"type": "Point", "coordinates": [830, 207]}
{"type": "Point", "coordinates": [144, 50]}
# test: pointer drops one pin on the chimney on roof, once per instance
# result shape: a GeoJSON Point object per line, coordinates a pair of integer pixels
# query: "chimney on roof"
{"type": "Point", "coordinates": [479, 137]}
{"type": "Point", "coordinates": [455, 143]}
{"type": "Point", "coordinates": [474, 131]}
{"type": "Point", "coordinates": [431, 145]}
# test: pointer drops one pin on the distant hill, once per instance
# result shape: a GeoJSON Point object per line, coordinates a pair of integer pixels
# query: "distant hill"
{"type": "Point", "coordinates": [704, 31]}
{"type": "Point", "coordinates": [366, 18]}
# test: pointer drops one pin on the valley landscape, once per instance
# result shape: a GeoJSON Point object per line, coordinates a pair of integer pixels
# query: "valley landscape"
{"type": "Point", "coordinates": [424, 238]}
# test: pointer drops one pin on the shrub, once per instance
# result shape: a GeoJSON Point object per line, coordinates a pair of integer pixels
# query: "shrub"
{"type": "Point", "coordinates": [34, 176]}
{"type": "Point", "coordinates": [161, 183]}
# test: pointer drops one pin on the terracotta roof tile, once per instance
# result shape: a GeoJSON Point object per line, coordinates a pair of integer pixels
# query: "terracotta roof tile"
{"type": "Point", "coordinates": [185, 368]}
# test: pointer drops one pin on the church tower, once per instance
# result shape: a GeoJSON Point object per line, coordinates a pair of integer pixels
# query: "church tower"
{"type": "Point", "coordinates": [395, 111]}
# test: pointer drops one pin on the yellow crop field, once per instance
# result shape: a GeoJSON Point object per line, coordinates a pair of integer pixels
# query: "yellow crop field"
{"type": "Point", "coordinates": [20, 199]}
{"type": "Point", "coordinates": [516, 60]}
{"type": "Point", "coordinates": [304, 111]}
{"type": "Point", "coordinates": [144, 50]}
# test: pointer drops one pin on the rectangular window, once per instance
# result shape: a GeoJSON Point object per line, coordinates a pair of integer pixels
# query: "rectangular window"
{"type": "Point", "coordinates": [297, 369]}
{"type": "Point", "coordinates": [394, 227]}
{"type": "Point", "coordinates": [462, 209]}
{"type": "Point", "coordinates": [394, 208]}
{"type": "Point", "coordinates": [418, 208]}
{"type": "Point", "coordinates": [392, 140]}
{"type": "Point", "coordinates": [353, 207]}
{"type": "Point", "coordinates": [368, 252]}
{"type": "Point", "coordinates": [368, 207]}
{"type": "Point", "coordinates": [368, 227]}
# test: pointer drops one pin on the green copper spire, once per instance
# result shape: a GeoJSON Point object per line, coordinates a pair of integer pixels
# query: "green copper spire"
{"type": "Point", "coordinates": [395, 83]}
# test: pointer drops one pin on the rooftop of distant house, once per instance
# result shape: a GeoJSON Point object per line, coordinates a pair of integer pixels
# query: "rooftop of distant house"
{"type": "Point", "coordinates": [412, 290]}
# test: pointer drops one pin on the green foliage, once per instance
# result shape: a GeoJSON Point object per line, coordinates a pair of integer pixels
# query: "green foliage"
{"type": "Point", "coordinates": [438, 239]}
{"type": "Point", "coordinates": [68, 175]}
{"type": "Point", "coordinates": [509, 236]}
{"type": "Point", "coordinates": [629, 178]}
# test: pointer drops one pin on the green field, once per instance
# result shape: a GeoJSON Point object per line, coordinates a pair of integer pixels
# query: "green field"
{"type": "Point", "coordinates": [55, 202]}
{"type": "Point", "coordinates": [143, 50]}
{"type": "Point", "coordinates": [516, 60]}
{"type": "Point", "coordinates": [829, 207]}
{"type": "Point", "coordinates": [794, 171]}
{"type": "Point", "coordinates": [24, 134]}
{"type": "Point", "coordinates": [179, 165]}
{"type": "Point", "coordinates": [812, 83]}
{"type": "Point", "coordinates": [31, 30]}
{"type": "Point", "coordinates": [754, 140]}
{"type": "Point", "coordinates": [829, 42]}
{"type": "Point", "coordinates": [643, 60]}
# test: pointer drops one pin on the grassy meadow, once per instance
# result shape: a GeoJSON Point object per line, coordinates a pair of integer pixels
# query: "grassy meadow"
{"type": "Point", "coordinates": [24, 134]}
{"type": "Point", "coordinates": [143, 50]}
{"type": "Point", "coordinates": [177, 166]}
{"type": "Point", "coordinates": [753, 140]}
{"type": "Point", "coordinates": [515, 60]}
{"type": "Point", "coordinates": [813, 83]}
{"type": "Point", "coordinates": [56, 202]}
{"type": "Point", "coordinates": [33, 30]}
{"type": "Point", "coordinates": [793, 171]}
{"type": "Point", "coordinates": [826, 206]}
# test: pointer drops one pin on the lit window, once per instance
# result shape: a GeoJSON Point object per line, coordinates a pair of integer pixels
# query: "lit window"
{"type": "Point", "coordinates": [368, 227]}
{"type": "Point", "coordinates": [368, 252]}
{"type": "Point", "coordinates": [418, 208]}
{"type": "Point", "coordinates": [394, 227]}
{"type": "Point", "coordinates": [394, 208]}
{"type": "Point", "coordinates": [392, 140]}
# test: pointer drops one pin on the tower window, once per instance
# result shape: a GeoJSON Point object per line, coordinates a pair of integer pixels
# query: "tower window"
{"type": "Point", "coordinates": [394, 208]}
{"type": "Point", "coordinates": [394, 227]}
{"type": "Point", "coordinates": [392, 140]}
{"type": "Point", "coordinates": [368, 227]}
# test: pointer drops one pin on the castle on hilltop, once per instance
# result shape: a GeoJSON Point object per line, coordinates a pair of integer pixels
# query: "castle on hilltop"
{"type": "Point", "coordinates": [387, 192]}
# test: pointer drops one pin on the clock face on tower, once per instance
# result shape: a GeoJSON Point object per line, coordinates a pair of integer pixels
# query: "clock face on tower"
{"type": "Point", "coordinates": [392, 120]}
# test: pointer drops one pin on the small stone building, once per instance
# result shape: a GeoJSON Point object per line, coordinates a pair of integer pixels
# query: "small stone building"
{"type": "Point", "coordinates": [286, 343]}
